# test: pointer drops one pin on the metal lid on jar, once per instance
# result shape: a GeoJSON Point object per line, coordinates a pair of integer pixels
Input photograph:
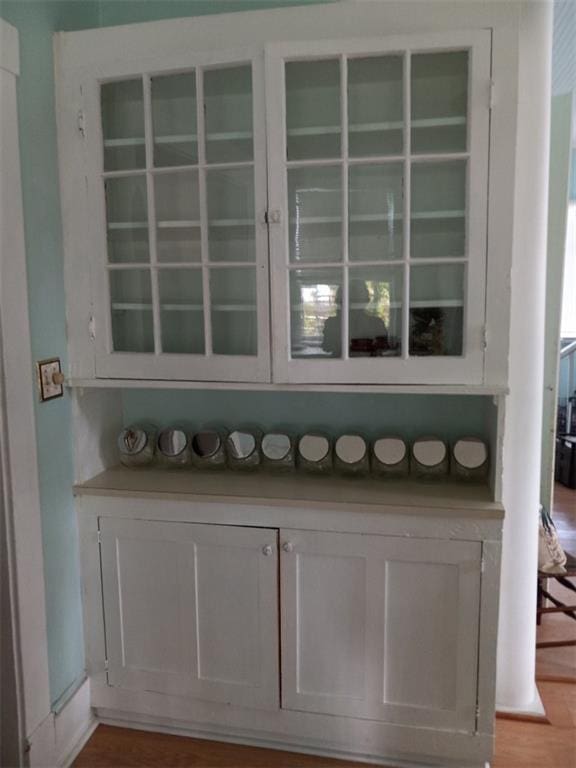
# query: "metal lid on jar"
{"type": "Point", "coordinates": [350, 449]}
{"type": "Point", "coordinates": [470, 452]}
{"type": "Point", "coordinates": [206, 443]}
{"type": "Point", "coordinates": [390, 450]}
{"type": "Point", "coordinates": [275, 446]}
{"type": "Point", "coordinates": [132, 441]}
{"type": "Point", "coordinates": [241, 444]}
{"type": "Point", "coordinates": [313, 448]}
{"type": "Point", "coordinates": [429, 452]}
{"type": "Point", "coordinates": [172, 442]}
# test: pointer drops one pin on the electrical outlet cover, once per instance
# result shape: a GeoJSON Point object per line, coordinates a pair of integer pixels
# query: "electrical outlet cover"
{"type": "Point", "coordinates": [46, 371]}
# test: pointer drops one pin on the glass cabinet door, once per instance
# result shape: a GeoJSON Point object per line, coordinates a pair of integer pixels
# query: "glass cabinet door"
{"type": "Point", "coordinates": [378, 169]}
{"type": "Point", "coordinates": [183, 173]}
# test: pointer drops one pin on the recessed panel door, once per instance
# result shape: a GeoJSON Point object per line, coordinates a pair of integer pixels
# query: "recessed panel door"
{"type": "Point", "coordinates": [191, 610]}
{"type": "Point", "coordinates": [381, 628]}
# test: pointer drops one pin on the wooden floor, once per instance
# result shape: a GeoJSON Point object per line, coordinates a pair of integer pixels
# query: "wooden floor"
{"type": "Point", "coordinates": [549, 743]}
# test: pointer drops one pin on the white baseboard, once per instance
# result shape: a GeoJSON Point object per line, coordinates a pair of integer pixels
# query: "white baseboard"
{"type": "Point", "coordinates": [73, 726]}
{"type": "Point", "coordinates": [534, 709]}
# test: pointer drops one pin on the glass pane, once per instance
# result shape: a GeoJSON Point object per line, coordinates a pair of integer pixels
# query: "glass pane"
{"type": "Point", "coordinates": [127, 217]}
{"type": "Point", "coordinates": [375, 199]}
{"type": "Point", "coordinates": [375, 106]}
{"type": "Point", "coordinates": [131, 303]}
{"type": "Point", "coordinates": [177, 217]}
{"type": "Point", "coordinates": [316, 312]}
{"type": "Point", "coordinates": [174, 120]}
{"type": "Point", "coordinates": [233, 311]}
{"type": "Point", "coordinates": [436, 309]}
{"type": "Point", "coordinates": [231, 215]}
{"type": "Point", "coordinates": [375, 314]}
{"type": "Point", "coordinates": [181, 310]}
{"type": "Point", "coordinates": [438, 225]}
{"type": "Point", "coordinates": [313, 117]}
{"type": "Point", "coordinates": [123, 125]}
{"type": "Point", "coordinates": [228, 111]}
{"type": "Point", "coordinates": [315, 210]}
{"type": "Point", "coordinates": [439, 102]}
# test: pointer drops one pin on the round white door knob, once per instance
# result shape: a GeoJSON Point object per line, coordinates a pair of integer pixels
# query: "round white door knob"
{"type": "Point", "coordinates": [267, 550]}
{"type": "Point", "coordinates": [288, 546]}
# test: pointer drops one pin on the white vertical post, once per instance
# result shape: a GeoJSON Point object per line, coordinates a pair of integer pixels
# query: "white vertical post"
{"type": "Point", "coordinates": [522, 440]}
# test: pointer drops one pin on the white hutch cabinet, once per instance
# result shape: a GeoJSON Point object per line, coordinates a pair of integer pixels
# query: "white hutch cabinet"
{"type": "Point", "coordinates": [306, 212]}
{"type": "Point", "coordinates": [306, 198]}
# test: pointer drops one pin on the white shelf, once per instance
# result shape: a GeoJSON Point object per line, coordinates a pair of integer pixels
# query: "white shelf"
{"type": "Point", "coordinates": [119, 225]}
{"type": "Point", "coordinates": [376, 217]}
{"type": "Point", "coordinates": [407, 389]}
{"type": "Point", "coordinates": [184, 138]}
{"type": "Point", "coordinates": [179, 224]}
{"type": "Point", "coordinates": [181, 307]}
{"type": "Point", "coordinates": [231, 223]}
{"type": "Point", "coordinates": [429, 215]}
{"type": "Point", "coordinates": [315, 130]}
{"type": "Point", "coordinates": [395, 125]}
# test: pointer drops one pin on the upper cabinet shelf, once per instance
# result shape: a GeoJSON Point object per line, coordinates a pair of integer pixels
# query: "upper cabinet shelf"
{"type": "Point", "coordinates": [290, 215]}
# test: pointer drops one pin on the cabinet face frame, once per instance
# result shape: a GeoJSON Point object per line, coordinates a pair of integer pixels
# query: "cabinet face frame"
{"type": "Point", "coordinates": [158, 365]}
{"type": "Point", "coordinates": [467, 369]}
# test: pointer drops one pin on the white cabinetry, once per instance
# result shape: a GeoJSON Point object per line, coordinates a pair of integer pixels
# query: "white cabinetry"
{"type": "Point", "coordinates": [359, 622]}
{"type": "Point", "coordinates": [354, 172]}
{"type": "Point", "coordinates": [380, 628]}
{"type": "Point", "coordinates": [191, 610]}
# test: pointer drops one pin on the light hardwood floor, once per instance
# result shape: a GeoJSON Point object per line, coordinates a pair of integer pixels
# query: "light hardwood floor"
{"type": "Point", "coordinates": [549, 743]}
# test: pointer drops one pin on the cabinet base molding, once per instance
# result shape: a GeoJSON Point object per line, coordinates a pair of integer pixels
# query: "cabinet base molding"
{"type": "Point", "coordinates": [341, 737]}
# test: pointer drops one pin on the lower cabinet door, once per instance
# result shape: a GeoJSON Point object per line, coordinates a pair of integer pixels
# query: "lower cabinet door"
{"type": "Point", "coordinates": [192, 610]}
{"type": "Point", "coordinates": [380, 627]}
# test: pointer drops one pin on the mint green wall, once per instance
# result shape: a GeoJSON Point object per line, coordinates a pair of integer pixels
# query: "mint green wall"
{"type": "Point", "coordinates": [35, 22]}
{"type": "Point", "coordinates": [408, 415]}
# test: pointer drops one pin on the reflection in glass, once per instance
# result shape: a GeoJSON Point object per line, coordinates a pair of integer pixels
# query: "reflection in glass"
{"type": "Point", "coordinates": [234, 315]}
{"type": "Point", "coordinates": [131, 305]}
{"type": "Point", "coordinates": [375, 106]}
{"type": "Point", "coordinates": [276, 446]}
{"type": "Point", "coordinates": [313, 109]}
{"type": "Point", "coordinates": [206, 444]}
{"type": "Point", "coordinates": [123, 125]}
{"type": "Point", "coordinates": [375, 315]}
{"type": "Point", "coordinates": [315, 211]}
{"type": "Point", "coordinates": [436, 309]}
{"type": "Point", "coordinates": [241, 445]}
{"type": "Point", "coordinates": [174, 119]}
{"type": "Point", "coordinates": [439, 102]}
{"type": "Point", "coordinates": [316, 300]}
{"type": "Point", "coordinates": [228, 114]}
{"type": "Point", "coordinates": [438, 219]}
{"type": "Point", "coordinates": [172, 442]}
{"type": "Point", "coordinates": [181, 310]}
{"type": "Point", "coordinates": [231, 215]}
{"type": "Point", "coordinates": [375, 212]}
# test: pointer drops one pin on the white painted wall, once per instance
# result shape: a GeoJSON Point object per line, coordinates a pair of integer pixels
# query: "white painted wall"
{"type": "Point", "coordinates": [522, 442]}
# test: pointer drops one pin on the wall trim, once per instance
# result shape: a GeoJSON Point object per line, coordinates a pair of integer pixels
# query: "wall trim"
{"type": "Point", "coordinates": [74, 725]}
{"type": "Point", "coordinates": [9, 48]}
{"type": "Point", "coordinates": [21, 462]}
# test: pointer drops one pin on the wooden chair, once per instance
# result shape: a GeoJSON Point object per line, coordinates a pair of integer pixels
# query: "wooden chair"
{"type": "Point", "coordinates": [559, 606]}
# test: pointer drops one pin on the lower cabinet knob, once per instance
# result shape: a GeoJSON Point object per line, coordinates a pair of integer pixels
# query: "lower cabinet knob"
{"type": "Point", "coordinates": [267, 550]}
{"type": "Point", "coordinates": [288, 546]}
